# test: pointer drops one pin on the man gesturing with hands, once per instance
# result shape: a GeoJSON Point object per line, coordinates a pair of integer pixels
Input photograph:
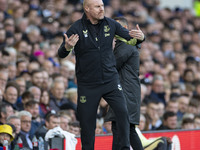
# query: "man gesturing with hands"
{"type": "Point", "coordinates": [91, 39]}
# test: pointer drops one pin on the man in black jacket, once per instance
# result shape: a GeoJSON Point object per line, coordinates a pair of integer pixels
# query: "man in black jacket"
{"type": "Point", "coordinates": [127, 64]}
{"type": "Point", "coordinates": [91, 38]}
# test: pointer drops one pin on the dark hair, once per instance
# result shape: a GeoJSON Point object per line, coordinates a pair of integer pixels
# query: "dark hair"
{"type": "Point", "coordinates": [36, 71]}
{"type": "Point", "coordinates": [27, 94]}
{"type": "Point", "coordinates": [30, 103]}
{"type": "Point", "coordinates": [187, 120]}
{"type": "Point", "coordinates": [3, 107]}
{"type": "Point", "coordinates": [50, 114]}
{"type": "Point", "coordinates": [15, 85]}
{"type": "Point", "coordinates": [168, 114]}
{"type": "Point", "coordinates": [122, 20]}
{"type": "Point", "coordinates": [74, 124]}
{"type": "Point", "coordinates": [20, 61]}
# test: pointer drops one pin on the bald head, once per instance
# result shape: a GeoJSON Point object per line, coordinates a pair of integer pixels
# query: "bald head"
{"type": "Point", "coordinates": [86, 3]}
{"type": "Point", "coordinates": [94, 10]}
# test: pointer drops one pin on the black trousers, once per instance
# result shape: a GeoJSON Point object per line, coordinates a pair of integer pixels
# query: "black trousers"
{"type": "Point", "coordinates": [134, 138]}
{"type": "Point", "coordinates": [88, 101]}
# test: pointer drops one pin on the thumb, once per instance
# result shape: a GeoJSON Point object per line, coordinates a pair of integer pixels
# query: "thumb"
{"type": "Point", "coordinates": [137, 26]}
{"type": "Point", "coordinates": [65, 35]}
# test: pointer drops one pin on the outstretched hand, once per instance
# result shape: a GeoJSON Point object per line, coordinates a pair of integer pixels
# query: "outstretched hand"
{"type": "Point", "coordinates": [137, 33]}
{"type": "Point", "coordinates": [71, 41]}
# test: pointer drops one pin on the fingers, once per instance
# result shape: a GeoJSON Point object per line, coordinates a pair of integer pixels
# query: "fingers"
{"type": "Point", "coordinates": [74, 38]}
{"type": "Point", "coordinates": [71, 41]}
{"type": "Point", "coordinates": [137, 27]}
{"type": "Point", "coordinates": [137, 34]}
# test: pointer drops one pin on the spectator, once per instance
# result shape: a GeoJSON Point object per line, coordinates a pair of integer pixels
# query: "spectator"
{"type": "Point", "coordinates": [44, 103]}
{"type": "Point", "coordinates": [26, 96]}
{"type": "Point", "coordinates": [57, 97]}
{"type": "Point", "coordinates": [14, 120]}
{"type": "Point", "coordinates": [74, 127]}
{"type": "Point", "coordinates": [158, 92]}
{"type": "Point", "coordinates": [65, 119]}
{"type": "Point", "coordinates": [172, 106]}
{"type": "Point", "coordinates": [187, 123]}
{"type": "Point", "coordinates": [6, 110]}
{"type": "Point", "coordinates": [52, 120]}
{"type": "Point", "coordinates": [152, 115]}
{"type": "Point", "coordinates": [36, 78]}
{"type": "Point", "coordinates": [169, 121]}
{"type": "Point", "coordinates": [36, 92]}
{"type": "Point", "coordinates": [98, 129]}
{"type": "Point", "coordinates": [34, 65]}
{"type": "Point", "coordinates": [193, 106]}
{"type": "Point", "coordinates": [33, 107]}
{"type": "Point", "coordinates": [11, 94]}
{"type": "Point", "coordinates": [21, 66]}
{"type": "Point", "coordinates": [71, 95]}
{"type": "Point", "coordinates": [183, 102]}
{"type": "Point", "coordinates": [25, 118]}
{"type": "Point", "coordinates": [107, 127]}
{"type": "Point", "coordinates": [142, 125]}
{"type": "Point", "coordinates": [46, 80]}
{"type": "Point", "coordinates": [22, 84]}
{"type": "Point", "coordinates": [12, 71]}
{"type": "Point", "coordinates": [197, 122]}
{"type": "Point", "coordinates": [3, 79]}
{"type": "Point", "coordinates": [6, 134]}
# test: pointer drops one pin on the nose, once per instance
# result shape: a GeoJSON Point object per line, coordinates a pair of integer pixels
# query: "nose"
{"type": "Point", "coordinates": [102, 8]}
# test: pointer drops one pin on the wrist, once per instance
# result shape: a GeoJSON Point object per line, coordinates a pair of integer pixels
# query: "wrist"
{"type": "Point", "coordinates": [69, 49]}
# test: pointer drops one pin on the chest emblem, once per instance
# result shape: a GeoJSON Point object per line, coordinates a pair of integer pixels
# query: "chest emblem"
{"type": "Point", "coordinates": [82, 99]}
{"type": "Point", "coordinates": [85, 33]}
{"type": "Point", "coordinates": [106, 28]}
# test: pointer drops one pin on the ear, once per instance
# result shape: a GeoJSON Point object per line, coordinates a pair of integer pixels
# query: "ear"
{"type": "Point", "coordinates": [46, 123]}
{"type": "Point", "coordinates": [86, 9]}
{"type": "Point", "coordinates": [3, 115]}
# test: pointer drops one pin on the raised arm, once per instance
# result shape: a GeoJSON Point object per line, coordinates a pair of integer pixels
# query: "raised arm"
{"type": "Point", "coordinates": [67, 45]}
{"type": "Point", "coordinates": [137, 33]}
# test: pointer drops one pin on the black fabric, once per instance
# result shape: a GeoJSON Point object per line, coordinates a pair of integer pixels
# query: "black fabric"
{"type": "Point", "coordinates": [87, 112]}
{"type": "Point", "coordinates": [95, 62]}
{"type": "Point", "coordinates": [134, 138]}
{"type": "Point", "coordinates": [127, 58]}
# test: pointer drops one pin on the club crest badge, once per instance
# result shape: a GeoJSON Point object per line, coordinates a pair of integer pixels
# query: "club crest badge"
{"type": "Point", "coordinates": [82, 99]}
{"type": "Point", "coordinates": [106, 28]}
{"type": "Point", "coordinates": [85, 33]}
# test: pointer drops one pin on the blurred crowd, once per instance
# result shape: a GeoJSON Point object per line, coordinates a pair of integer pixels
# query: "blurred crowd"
{"type": "Point", "coordinates": [38, 91]}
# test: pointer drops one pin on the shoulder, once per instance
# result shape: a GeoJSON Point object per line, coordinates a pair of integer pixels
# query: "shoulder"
{"type": "Point", "coordinates": [76, 24]}
{"type": "Point", "coordinates": [110, 20]}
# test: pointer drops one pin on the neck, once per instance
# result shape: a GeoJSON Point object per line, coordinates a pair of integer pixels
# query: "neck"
{"type": "Point", "coordinates": [93, 21]}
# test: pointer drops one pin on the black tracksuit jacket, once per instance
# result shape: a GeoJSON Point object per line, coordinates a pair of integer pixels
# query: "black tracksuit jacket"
{"type": "Point", "coordinates": [95, 62]}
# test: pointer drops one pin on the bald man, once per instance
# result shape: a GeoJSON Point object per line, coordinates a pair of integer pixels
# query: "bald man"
{"type": "Point", "coordinates": [91, 39]}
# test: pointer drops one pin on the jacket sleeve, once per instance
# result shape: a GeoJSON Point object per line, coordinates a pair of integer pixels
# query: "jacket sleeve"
{"type": "Point", "coordinates": [62, 52]}
{"type": "Point", "coordinates": [123, 33]}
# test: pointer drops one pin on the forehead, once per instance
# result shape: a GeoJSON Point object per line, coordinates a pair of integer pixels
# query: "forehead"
{"type": "Point", "coordinates": [25, 118]}
{"type": "Point", "coordinates": [14, 120]}
{"type": "Point", "coordinates": [94, 2]}
{"type": "Point", "coordinates": [11, 89]}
